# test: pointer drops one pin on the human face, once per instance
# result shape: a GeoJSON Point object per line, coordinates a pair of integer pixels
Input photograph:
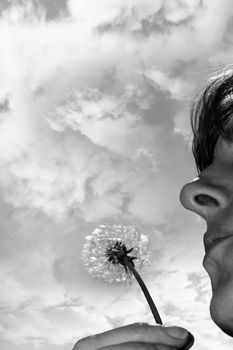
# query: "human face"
{"type": "Point", "coordinates": [210, 195]}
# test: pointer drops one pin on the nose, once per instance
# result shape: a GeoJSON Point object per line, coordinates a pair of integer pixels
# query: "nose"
{"type": "Point", "coordinates": [204, 199]}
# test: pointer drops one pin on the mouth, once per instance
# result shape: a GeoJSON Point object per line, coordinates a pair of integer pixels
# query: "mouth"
{"type": "Point", "coordinates": [211, 239]}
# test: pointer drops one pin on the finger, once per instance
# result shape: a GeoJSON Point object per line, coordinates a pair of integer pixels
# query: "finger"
{"type": "Point", "coordinates": [136, 332]}
{"type": "Point", "coordinates": [137, 346]}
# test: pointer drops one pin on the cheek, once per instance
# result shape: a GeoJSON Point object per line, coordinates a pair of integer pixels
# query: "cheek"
{"type": "Point", "coordinates": [225, 261]}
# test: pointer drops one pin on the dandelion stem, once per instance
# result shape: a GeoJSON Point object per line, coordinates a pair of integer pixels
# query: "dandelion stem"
{"type": "Point", "coordinates": [145, 291]}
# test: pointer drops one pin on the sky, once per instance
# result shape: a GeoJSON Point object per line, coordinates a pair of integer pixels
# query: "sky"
{"type": "Point", "coordinates": [95, 128]}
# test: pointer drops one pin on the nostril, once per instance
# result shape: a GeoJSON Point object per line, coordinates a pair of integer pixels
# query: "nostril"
{"type": "Point", "coordinates": [204, 199]}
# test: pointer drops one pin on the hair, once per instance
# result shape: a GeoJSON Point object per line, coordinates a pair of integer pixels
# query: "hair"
{"type": "Point", "coordinates": [212, 116]}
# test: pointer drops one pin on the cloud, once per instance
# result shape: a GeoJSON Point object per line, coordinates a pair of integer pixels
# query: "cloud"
{"type": "Point", "coordinates": [66, 112]}
{"type": "Point", "coordinates": [94, 122]}
{"type": "Point", "coordinates": [177, 87]}
{"type": "Point", "coordinates": [93, 14]}
{"type": "Point", "coordinates": [178, 11]}
{"type": "Point", "coordinates": [103, 119]}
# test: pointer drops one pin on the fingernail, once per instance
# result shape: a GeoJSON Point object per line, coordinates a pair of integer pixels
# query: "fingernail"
{"type": "Point", "coordinates": [190, 342]}
{"type": "Point", "coordinates": [177, 332]}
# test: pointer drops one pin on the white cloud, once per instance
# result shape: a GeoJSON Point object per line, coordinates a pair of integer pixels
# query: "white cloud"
{"type": "Point", "coordinates": [94, 132]}
{"type": "Point", "coordinates": [177, 87]}
{"type": "Point", "coordinates": [103, 119]}
{"type": "Point", "coordinates": [177, 10]}
{"type": "Point", "coordinates": [62, 115]}
{"type": "Point", "coordinates": [182, 124]}
{"type": "Point", "coordinates": [94, 14]}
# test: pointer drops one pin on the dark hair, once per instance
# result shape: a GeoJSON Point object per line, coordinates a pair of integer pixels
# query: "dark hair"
{"type": "Point", "coordinates": [212, 116]}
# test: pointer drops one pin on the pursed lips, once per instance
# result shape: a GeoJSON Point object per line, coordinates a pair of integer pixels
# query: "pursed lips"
{"type": "Point", "coordinates": [213, 237]}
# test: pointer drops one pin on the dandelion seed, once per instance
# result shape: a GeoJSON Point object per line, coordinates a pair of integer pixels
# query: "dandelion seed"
{"type": "Point", "coordinates": [106, 255]}
{"type": "Point", "coordinates": [102, 239]}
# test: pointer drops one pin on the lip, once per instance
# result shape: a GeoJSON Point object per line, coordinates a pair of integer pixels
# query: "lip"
{"type": "Point", "coordinates": [212, 236]}
{"type": "Point", "coordinates": [209, 247]}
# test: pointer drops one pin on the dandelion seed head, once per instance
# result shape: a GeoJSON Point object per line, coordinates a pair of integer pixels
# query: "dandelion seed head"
{"type": "Point", "coordinates": [98, 245]}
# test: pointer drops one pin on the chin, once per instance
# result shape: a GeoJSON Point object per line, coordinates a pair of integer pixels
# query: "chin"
{"type": "Point", "coordinates": [221, 309]}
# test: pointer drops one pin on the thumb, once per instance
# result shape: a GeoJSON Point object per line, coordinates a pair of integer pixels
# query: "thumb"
{"type": "Point", "coordinates": [186, 338]}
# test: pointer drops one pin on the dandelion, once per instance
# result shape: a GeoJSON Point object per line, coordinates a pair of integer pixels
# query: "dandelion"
{"type": "Point", "coordinates": [106, 255]}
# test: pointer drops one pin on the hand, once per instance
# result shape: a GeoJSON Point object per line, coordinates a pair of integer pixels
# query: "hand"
{"type": "Point", "coordinates": [138, 336]}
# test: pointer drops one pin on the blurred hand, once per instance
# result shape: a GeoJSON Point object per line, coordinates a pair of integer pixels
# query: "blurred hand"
{"type": "Point", "coordinates": [138, 336]}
